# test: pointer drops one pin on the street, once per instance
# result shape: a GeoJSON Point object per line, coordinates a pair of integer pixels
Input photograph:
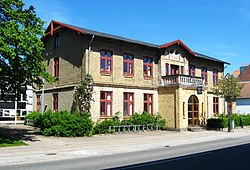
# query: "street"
{"type": "Point", "coordinates": [228, 153]}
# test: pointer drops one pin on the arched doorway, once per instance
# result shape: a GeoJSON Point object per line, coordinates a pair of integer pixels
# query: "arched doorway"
{"type": "Point", "coordinates": [193, 111]}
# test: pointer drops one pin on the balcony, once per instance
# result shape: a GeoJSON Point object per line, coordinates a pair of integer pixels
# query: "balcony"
{"type": "Point", "coordinates": [182, 80]}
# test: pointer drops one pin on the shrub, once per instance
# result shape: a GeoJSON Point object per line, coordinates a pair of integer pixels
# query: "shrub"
{"type": "Point", "coordinates": [161, 122]}
{"type": "Point", "coordinates": [67, 124]}
{"type": "Point", "coordinates": [34, 119]}
{"type": "Point", "coordinates": [102, 127]}
{"type": "Point", "coordinates": [62, 123]}
{"type": "Point", "coordinates": [136, 119]}
{"type": "Point", "coordinates": [142, 119]}
{"type": "Point", "coordinates": [217, 123]}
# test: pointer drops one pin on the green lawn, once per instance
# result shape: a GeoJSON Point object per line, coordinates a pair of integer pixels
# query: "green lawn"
{"type": "Point", "coordinates": [5, 142]}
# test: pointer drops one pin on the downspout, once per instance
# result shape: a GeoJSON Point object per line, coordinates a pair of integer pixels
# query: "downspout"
{"type": "Point", "coordinates": [224, 98]}
{"type": "Point", "coordinates": [90, 44]}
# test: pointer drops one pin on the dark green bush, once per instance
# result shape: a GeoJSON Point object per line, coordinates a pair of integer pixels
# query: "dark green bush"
{"type": "Point", "coordinates": [67, 124]}
{"type": "Point", "coordinates": [136, 119]}
{"type": "Point", "coordinates": [217, 123]}
{"type": "Point", "coordinates": [246, 120]}
{"type": "Point", "coordinates": [74, 124]}
{"type": "Point", "coordinates": [222, 121]}
{"type": "Point", "coordinates": [142, 119]}
{"type": "Point", "coordinates": [102, 127]}
{"type": "Point", "coordinates": [63, 123]}
{"type": "Point", "coordinates": [35, 118]}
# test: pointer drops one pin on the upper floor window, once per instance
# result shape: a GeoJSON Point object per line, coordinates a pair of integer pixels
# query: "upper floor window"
{"type": "Point", "coordinates": [106, 103]}
{"type": "Point", "coordinates": [106, 61]}
{"type": "Point", "coordinates": [128, 104]}
{"type": "Point", "coordinates": [192, 70]}
{"type": "Point", "coordinates": [56, 67]}
{"type": "Point", "coordinates": [55, 102]}
{"type": "Point", "coordinates": [204, 73]}
{"type": "Point", "coordinates": [215, 76]}
{"type": "Point", "coordinates": [148, 103]}
{"type": "Point", "coordinates": [128, 64]}
{"type": "Point", "coordinates": [57, 41]}
{"type": "Point", "coordinates": [147, 66]}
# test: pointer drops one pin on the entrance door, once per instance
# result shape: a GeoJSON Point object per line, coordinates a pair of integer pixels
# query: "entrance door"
{"type": "Point", "coordinates": [193, 111]}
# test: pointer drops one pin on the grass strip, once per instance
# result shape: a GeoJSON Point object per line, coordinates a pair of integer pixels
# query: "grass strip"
{"type": "Point", "coordinates": [5, 142]}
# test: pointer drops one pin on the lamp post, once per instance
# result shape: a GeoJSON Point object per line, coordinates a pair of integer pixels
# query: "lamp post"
{"type": "Point", "coordinates": [229, 110]}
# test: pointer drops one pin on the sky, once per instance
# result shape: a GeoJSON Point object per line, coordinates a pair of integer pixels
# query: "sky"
{"type": "Point", "coordinates": [217, 28]}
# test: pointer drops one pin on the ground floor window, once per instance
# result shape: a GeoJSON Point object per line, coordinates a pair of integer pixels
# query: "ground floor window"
{"type": "Point", "coordinates": [55, 102]}
{"type": "Point", "coordinates": [106, 103]}
{"type": "Point", "coordinates": [38, 103]}
{"type": "Point", "coordinates": [128, 104]}
{"type": "Point", "coordinates": [148, 103]}
{"type": "Point", "coordinates": [216, 104]}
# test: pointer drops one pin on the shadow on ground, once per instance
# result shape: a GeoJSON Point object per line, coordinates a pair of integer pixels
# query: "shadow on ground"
{"type": "Point", "coordinates": [19, 132]}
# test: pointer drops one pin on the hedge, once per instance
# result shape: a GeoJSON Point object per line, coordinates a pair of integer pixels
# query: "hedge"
{"type": "Point", "coordinates": [222, 121]}
{"type": "Point", "coordinates": [68, 124]}
{"type": "Point", "coordinates": [63, 123]}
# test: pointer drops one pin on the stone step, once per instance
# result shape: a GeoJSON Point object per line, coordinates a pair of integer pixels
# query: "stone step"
{"type": "Point", "coordinates": [196, 129]}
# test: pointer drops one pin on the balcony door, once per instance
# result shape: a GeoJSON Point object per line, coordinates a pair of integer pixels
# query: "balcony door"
{"type": "Point", "coordinates": [193, 111]}
{"type": "Point", "coordinates": [174, 69]}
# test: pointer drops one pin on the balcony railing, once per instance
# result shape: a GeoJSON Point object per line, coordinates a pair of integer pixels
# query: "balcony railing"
{"type": "Point", "coordinates": [184, 80]}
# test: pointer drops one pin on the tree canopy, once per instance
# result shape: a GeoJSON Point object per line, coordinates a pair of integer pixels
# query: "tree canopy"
{"type": "Point", "coordinates": [229, 88]}
{"type": "Point", "coordinates": [21, 60]}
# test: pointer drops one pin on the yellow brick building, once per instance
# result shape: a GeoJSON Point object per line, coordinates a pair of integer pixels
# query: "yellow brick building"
{"type": "Point", "coordinates": [131, 76]}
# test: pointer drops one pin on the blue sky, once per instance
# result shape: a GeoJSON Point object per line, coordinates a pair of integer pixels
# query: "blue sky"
{"type": "Point", "coordinates": [217, 28]}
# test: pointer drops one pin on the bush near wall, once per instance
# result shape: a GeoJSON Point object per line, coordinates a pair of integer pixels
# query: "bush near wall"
{"type": "Point", "coordinates": [68, 124]}
{"type": "Point", "coordinates": [217, 123]}
{"type": "Point", "coordinates": [222, 121]}
{"type": "Point", "coordinates": [63, 123]}
{"type": "Point", "coordinates": [136, 119]}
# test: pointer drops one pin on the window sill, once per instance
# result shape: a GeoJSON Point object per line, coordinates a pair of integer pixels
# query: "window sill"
{"type": "Point", "coordinates": [106, 117]}
{"type": "Point", "coordinates": [106, 73]}
{"type": "Point", "coordinates": [128, 75]}
{"type": "Point", "coordinates": [126, 117]}
{"type": "Point", "coordinates": [148, 77]}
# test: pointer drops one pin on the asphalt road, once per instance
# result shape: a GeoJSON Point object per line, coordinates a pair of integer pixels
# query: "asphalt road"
{"type": "Point", "coordinates": [230, 153]}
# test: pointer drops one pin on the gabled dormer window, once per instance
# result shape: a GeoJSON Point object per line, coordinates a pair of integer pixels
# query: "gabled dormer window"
{"type": "Point", "coordinates": [57, 41]}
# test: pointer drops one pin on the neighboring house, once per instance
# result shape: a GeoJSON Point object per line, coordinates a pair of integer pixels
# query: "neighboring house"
{"type": "Point", "coordinates": [130, 76]}
{"type": "Point", "coordinates": [24, 105]}
{"type": "Point", "coordinates": [243, 102]}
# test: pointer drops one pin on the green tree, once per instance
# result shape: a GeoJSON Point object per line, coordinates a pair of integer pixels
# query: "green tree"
{"type": "Point", "coordinates": [21, 60]}
{"type": "Point", "coordinates": [228, 88]}
{"type": "Point", "coordinates": [83, 94]}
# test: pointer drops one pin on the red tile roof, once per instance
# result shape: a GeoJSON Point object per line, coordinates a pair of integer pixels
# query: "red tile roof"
{"type": "Point", "coordinates": [245, 92]}
{"type": "Point", "coordinates": [245, 76]}
{"type": "Point", "coordinates": [236, 73]}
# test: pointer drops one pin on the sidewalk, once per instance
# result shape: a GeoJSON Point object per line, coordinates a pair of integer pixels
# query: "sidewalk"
{"type": "Point", "coordinates": [41, 148]}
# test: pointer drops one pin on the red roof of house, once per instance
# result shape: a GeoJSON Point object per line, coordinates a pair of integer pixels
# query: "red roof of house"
{"type": "Point", "coordinates": [178, 42]}
{"type": "Point", "coordinates": [245, 76]}
{"type": "Point", "coordinates": [236, 73]}
{"type": "Point", "coordinates": [245, 92]}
